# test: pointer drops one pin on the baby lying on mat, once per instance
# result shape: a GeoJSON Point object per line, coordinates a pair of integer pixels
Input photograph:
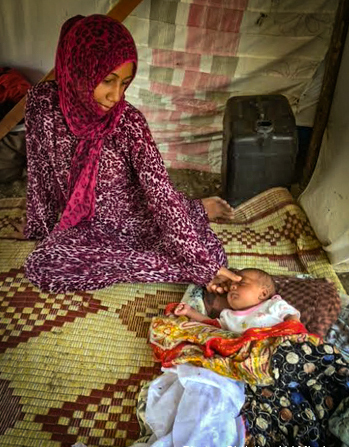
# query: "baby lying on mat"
{"type": "Point", "coordinates": [251, 302]}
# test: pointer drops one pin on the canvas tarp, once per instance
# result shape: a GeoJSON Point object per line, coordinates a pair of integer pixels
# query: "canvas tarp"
{"type": "Point", "coordinates": [326, 199]}
{"type": "Point", "coordinates": [193, 56]}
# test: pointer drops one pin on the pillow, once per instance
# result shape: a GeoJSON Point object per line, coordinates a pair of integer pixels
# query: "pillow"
{"type": "Point", "coordinates": [316, 299]}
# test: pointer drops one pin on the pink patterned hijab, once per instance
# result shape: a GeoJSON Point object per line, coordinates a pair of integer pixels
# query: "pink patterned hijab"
{"type": "Point", "coordinates": [89, 48]}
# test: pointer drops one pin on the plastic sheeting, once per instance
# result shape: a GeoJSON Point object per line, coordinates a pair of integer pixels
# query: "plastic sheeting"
{"type": "Point", "coordinates": [29, 31]}
{"type": "Point", "coordinates": [193, 56]}
{"type": "Point", "coordinates": [326, 199]}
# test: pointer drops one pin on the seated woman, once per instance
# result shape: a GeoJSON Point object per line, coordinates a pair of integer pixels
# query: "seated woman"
{"type": "Point", "coordinates": [91, 157]}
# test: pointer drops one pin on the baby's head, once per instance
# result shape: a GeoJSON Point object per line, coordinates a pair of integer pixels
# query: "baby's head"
{"type": "Point", "coordinates": [255, 286]}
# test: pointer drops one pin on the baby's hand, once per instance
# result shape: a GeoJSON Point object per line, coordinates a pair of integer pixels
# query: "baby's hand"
{"type": "Point", "coordinates": [182, 309]}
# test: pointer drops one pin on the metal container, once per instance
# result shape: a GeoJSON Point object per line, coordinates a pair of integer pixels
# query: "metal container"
{"type": "Point", "coordinates": [259, 146]}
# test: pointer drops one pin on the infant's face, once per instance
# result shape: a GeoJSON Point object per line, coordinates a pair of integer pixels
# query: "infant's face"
{"type": "Point", "coordinates": [245, 293]}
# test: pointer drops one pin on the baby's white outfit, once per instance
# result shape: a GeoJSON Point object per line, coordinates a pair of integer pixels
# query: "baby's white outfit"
{"type": "Point", "coordinates": [266, 314]}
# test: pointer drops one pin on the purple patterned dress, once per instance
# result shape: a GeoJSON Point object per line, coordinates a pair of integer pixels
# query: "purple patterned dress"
{"type": "Point", "coordinates": [143, 230]}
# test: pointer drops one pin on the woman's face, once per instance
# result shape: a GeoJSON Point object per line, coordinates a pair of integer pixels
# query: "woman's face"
{"type": "Point", "coordinates": [110, 90]}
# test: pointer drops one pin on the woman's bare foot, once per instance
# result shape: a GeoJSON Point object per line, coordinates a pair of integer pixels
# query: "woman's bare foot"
{"type": "Point", "coordinates": [218, 210]}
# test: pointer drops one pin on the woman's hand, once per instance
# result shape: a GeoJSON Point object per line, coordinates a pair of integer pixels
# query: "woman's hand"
{"type": "Point", "coordinates": [222, 281]}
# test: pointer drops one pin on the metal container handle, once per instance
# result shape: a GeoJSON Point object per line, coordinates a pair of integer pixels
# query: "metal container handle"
{"type": "Point", "coordinates": [264, 126]}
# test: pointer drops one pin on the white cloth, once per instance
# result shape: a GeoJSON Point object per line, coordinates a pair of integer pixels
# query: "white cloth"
{"type": "Point", "coordinates": [326, 198]}
{"type": "Point", "coordinates": [266, 314]}
{"type": "Point", "coordinates": [192, 406]}
{"type": "Point", "coordinates": [194, 296]}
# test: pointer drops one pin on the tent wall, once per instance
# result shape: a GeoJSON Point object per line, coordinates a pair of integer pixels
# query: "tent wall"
{"type": "Point", "coordinates": [193, 56]}
{"type": "Point", "coordinates": [29, 31]}
{"type": "Point", "coordinates": [326, 199]}
{"type": "Point", "coordinates": [196, 54]}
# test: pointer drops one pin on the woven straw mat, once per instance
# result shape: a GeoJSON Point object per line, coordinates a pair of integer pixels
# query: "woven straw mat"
{"type": "Point", "coordinates": [72, 364]}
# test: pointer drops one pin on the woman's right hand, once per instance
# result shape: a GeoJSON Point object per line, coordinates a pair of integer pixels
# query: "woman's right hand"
{"type": "Point", "coordinates": [222, 281]}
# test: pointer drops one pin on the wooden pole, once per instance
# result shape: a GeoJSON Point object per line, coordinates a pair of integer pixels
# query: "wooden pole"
{"type": "Point", "coordinates": [120, 11]}
{"type": "Point", "coordinates": [332, 64]}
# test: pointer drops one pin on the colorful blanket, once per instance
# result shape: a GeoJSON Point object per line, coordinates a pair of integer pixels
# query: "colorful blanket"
{"type": "Point", "coordinates": [310, 382]}
{"type": "Point", "coordinates": [293, 380]}
{"type": "Point", "coordinates": [72, 365]}
{"type": "Point", "coordinates": [176, 340]}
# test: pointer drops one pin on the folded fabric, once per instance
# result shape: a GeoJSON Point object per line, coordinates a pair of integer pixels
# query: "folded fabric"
{"type": "Point", "coordinates": [176, 341]}
{"type": "Point", "coordinates": [191, 406]}
{"type": "Point", "coordinates": [310, 383]}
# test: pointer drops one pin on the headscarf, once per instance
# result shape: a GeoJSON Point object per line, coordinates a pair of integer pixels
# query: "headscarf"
{"type": "Point", "coordinates": [89, 48]}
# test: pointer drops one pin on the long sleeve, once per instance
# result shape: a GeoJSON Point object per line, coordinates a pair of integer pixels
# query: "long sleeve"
{"type": "Point", "coordinates": [172, 212]}
{"type": "Point", "coordinates": [143, 229]}
{"type": "Point", "coordinates": [42, 195]}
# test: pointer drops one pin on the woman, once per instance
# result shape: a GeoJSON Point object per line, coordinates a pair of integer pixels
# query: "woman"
{"type": "Point", "coordinates": [91, 157]}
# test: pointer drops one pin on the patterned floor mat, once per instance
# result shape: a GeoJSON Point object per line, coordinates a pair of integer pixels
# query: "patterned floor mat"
{"type": "Point", "coordinates": [72, 364]}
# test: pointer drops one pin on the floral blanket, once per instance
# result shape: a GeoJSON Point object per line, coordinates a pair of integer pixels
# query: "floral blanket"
{"type": "Point", "coordinates": [310, 383]}
{"type": "Point", "coordinates": [176, 340]}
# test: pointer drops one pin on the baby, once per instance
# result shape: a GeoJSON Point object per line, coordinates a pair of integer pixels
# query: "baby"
{"type": "Point", "coordinates": [252, 302]}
